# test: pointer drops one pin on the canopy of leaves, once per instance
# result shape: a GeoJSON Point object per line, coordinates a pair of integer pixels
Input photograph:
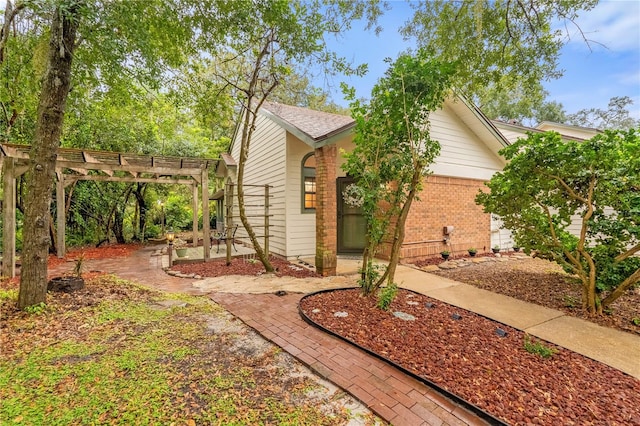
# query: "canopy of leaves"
{"type": "Point", "coordinates": [509, 46]}
{"type": "Point", "coordinates": [550, 184]}
{"type": "Point", "coordinates": [615, 117]}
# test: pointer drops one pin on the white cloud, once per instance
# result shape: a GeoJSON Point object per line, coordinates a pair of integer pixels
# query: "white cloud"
{"type": "Point", "coordinates": [614, 24]}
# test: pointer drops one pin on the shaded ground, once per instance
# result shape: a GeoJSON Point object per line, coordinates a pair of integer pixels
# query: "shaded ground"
{"type": "Point", "coordinates": [117, 353]}
{"type": "Point", "coordinates": [544, 283]}
{"type": "Point", "coordinates": [495, 373]}
{"type": "Point", "coordinates": [463, 353]}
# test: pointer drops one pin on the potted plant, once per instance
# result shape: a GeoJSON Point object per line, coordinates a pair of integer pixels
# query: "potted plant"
{"type": "Point", "coordinates": [472, 251]}
{"type": "Point", "coordinates": [445, 254]}
{"type": "Point", "coordinates": [69, 283]}
{"type": "Point", "coordinates": [180, 246]}
{"type": "Point", "coordinates": [496, 249]}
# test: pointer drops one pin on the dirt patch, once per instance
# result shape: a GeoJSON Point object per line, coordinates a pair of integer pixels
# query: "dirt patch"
{"type": "Point", "coordinates": [544, 283]}
{"type": "Point", "coordinates": [463, 353]}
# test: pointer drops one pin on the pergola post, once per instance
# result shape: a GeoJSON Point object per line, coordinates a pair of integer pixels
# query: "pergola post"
{"type": "Point", "coordinates": [206, 236]}
{"type": "Point", "coordinates": [9, 219]}
{"type": "Point", "coordinates": [194, 208]}
{"type": "Point", "coordinates": [60, 215]}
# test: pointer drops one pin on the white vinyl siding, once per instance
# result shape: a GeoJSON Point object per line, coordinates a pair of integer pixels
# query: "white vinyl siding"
{"type": "Point", "coordinates": [462, 154]}
{"type": "Point", "coordinates": [265, 166]}
{"type": "Point", "coordinates": [512, 135]}
{"type": "Point", "coordinates": [499, 236]}
{"type": "Point", "coordinates": [301, 227]}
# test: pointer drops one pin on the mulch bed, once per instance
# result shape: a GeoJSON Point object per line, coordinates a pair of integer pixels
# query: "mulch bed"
{"type": "Point", "coordinates": [545, 283]}
{"type": "Point", "coordinates": [468, 358]}
{"type": "Point", "coordinates": [240, 266]}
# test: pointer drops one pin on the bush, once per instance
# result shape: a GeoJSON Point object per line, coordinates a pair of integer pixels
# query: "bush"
{"type": "Point", "coordinates": [386, 295]}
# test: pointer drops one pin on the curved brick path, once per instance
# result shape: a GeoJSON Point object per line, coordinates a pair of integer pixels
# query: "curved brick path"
{"type": "Point", "coordinates": [391, 394]}
{"type": "Point", "coordinates": [394, 396]}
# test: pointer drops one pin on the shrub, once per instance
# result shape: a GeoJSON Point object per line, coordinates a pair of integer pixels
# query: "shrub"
{"type": "Point", "coordinates": [386, 295]}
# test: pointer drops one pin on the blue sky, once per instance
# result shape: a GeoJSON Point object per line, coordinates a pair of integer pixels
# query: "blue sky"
{"type": "Point", "coordinates": [590, 79]}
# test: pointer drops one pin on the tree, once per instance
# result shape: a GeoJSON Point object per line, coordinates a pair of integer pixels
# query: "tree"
{"type": "Point", "coordinates": [392, 153]}
{"type": "Point", "coordinates": [551, 111]}
{"type": "Point", "coordinates": [615, 117]}
{"type": "Point", "coordinates": [120, 38]}
{"type": "Point", "coordinates": [510, 45]}
{"type": "Point", "coordinates": [513, 105]}
{"type": "Point", "coordinates": [550, 183]}
{"type": "Point", "coordinates": [55, 87]}
{"type": "Point", "coordinates": [264, 42]}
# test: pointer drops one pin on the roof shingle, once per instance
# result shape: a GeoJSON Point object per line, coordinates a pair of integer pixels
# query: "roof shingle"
{"type": "Point", "coordinates": [316, 124]}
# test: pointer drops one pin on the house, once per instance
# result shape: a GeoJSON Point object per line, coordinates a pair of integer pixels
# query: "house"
{"type": "Point", "coordinates": [513, 131]}
{"type": "Point", "coordinates": [298, 152]}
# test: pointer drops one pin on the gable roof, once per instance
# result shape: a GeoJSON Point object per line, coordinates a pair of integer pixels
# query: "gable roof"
{"type": "Point", "coordinates": [567, 131]}
{"type": "Point", "coordinates": [315, 128]}
{"type": "Point", "coordinates": [318, 128]}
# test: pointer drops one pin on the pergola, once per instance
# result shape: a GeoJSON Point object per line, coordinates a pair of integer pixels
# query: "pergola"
{"type": "Point", "coordinates": [74, 164]}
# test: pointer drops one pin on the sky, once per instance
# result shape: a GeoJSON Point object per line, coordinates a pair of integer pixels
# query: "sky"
{"type": "Point", "coordinates": [591, 77]}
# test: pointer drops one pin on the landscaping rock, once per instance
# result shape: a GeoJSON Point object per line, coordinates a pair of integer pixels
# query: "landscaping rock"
{"type": "Point", "coordinates": [404, 316]}
{"type": "Point", "coordinates": [430, 268]}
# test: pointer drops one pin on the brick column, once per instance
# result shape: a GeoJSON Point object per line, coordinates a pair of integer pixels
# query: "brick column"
{"type": "Point", "coordinates": [326, 211]}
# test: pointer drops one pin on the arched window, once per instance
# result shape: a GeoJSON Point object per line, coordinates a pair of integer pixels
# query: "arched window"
{"type": "Point", "coordinates": [309, 183]}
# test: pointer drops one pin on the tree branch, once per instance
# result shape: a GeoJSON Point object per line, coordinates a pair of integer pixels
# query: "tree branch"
{"type": "Point", "coordinates": [10, 14]}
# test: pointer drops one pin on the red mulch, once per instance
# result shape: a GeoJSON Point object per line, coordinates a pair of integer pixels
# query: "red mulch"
{"type": "Point", "coordinates": [468, 358]}
{"type": "Point", "coordinates": [106, 251]}
{"type": "Point", "coordinates": [239, 266]}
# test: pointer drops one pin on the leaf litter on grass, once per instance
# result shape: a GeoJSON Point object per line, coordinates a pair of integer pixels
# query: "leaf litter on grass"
{"type": "Point", "coordinates": [119, 353]}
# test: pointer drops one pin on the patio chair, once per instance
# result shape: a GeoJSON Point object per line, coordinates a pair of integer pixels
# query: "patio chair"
{"type": "Point", "coordinates": [224, 236]}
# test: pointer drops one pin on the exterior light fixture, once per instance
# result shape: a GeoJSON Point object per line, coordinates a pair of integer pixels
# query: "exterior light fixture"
{"type": "Point", "coordinates": [170, 237]}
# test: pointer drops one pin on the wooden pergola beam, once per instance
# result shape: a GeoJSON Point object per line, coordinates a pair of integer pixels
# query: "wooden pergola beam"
{"type": "Point", "coordinates": [74, 165]}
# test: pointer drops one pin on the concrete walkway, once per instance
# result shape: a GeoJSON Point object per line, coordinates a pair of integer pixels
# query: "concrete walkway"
{"type": "Point", "coordinates": [392, 395]}
{"type": "Point", "coordinates": [612, 347]}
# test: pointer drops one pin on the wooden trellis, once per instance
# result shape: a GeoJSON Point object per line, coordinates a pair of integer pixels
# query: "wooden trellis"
{"type": "Point", "coordinates": [74, 164]}
{"type": "Point", "coordinates": [257, 204]}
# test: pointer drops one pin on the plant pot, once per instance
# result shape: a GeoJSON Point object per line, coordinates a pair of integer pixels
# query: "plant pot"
{"type": "Point", "coordinates": [472, 253]}
{"type": "Point", "coordinates": [67, 284]}
{"type": "Point", "coordinates": [495, 250]}
{"type": "Point", "coordinates": [516, 249]}
{"type": "Point", "coordinates": [181, 252]}
{"type": "Point", "coordinates": [445, 256]}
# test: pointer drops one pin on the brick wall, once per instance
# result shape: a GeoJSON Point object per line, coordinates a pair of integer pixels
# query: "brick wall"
{"type": "Point", "coordinates": [445, 201]}
{"type": "Point", "coordinates": [326, 207]}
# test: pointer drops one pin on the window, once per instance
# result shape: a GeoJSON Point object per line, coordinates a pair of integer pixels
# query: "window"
{"type": "Point", "coordinates": [309, 183]}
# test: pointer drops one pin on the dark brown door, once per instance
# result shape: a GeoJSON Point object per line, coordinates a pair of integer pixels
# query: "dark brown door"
{"type": "Point", "coordinates": [351, 223]}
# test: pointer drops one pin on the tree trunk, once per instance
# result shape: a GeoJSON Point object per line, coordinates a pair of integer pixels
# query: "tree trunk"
{"type": "Point", "coordinates": [53, 97]}
{"type": "Point", "coordinates": [244, 155]}
{"type": "Point", "coordinates": [118, 225]}
{"type": "Point", "coordinates": [399, 232]}
{"type": "Point", "coordinates": [142, 210]}
{"type": "Point", "coordinates": [619, 291]}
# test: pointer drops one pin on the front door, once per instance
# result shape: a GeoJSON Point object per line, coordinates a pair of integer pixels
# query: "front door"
{"type": "Point", "coordinates": [351, 222]}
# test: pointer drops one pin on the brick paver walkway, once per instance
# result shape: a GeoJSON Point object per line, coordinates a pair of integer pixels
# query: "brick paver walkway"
{"type": "Point", "coordinates": [391, 394]}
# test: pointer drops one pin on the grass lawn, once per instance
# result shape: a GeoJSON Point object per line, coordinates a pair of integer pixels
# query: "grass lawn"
{"type": "Point", "coordinates": [116, 353]}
